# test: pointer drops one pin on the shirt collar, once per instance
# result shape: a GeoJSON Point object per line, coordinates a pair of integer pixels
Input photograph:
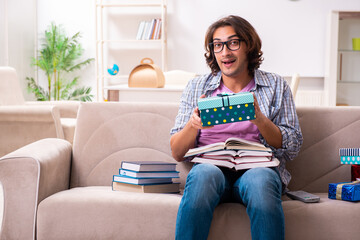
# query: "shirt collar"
{"type": "Point", "coordinates": [261, 79]}
{"type": "Point", "coordinates": [215, 81]}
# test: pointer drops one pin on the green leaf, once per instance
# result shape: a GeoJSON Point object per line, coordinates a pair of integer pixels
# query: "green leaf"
{"type": "Point", "coordinates": [60, 54]}
{"type": "Point", "coordinates": [40, 93]}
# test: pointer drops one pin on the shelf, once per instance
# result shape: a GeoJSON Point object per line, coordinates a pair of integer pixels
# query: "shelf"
{"type": "Point", "coordinates": [115, 43]}
{"type": "Point", "coordinates": [130, 5]}
{"type": "Point", "coordinates": [348, 82]}
{"type": "Point", "coordinates": [348, 51]}
{"type": "Point", "coordinates": [133, 4]}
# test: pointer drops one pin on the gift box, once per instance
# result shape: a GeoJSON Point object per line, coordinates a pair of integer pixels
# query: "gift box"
{"type": "Point", "coordinates": [349, 155]}
{"type": "Point", "coordinates": [348, 191]}
{"type": "Point", "coordinates": [349, 151]}
{"type": "Point", "coordinates": [350, 159]}
{"type": "Point", "coordinates": [355, 172]}
{"type": "Point", "coordinates": [226, 108]}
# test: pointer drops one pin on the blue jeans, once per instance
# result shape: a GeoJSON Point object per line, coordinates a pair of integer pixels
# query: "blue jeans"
{"type": "Point", "coordinates": [259, 189]}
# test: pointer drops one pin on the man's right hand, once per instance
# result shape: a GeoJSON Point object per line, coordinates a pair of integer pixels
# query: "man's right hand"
{"type": "Point", "coordinates": [195, 120]}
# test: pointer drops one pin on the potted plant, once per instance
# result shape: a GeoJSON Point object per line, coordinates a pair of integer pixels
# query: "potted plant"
{"type": "Point", "coordinates": [58, 56]}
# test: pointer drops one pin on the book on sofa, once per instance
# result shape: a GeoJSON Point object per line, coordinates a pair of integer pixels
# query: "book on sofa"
{"type": "Point", "coordinates": [230, 144]}
{"type": "Point", "coordinates": [132, 180]}
{"type": "Point", "coordinates": [148, 166]}
{"type": "Point", "coordinates": [146, 176]}
{"type": "Point", "coordinates": [149, 188]}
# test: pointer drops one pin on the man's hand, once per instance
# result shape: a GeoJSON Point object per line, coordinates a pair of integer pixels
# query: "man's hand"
{"type": "Point", "coordinates": [260, 117]}
{"type": "Point", "coordinates": [195, 120]}
{"type": "Point", "coordinates": [267, 128]}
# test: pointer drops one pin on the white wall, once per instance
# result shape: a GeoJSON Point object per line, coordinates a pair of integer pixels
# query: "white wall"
{"type": "Point", "coordinates": [293, 32]}
{"type": "Point", "coordinates": [17, 37]}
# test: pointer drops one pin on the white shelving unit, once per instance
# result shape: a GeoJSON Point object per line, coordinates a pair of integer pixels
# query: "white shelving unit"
{"type": "Point", "coordinates": [117, 23]}
{"type": "Point", "coordinates": [342, 81]}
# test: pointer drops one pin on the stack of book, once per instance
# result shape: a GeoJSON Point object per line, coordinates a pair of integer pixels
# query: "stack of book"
{"type": "Point", "coordinates": [234, 153]}
{"type": "Point", "coordinates": [149, 30]}
{"type": "Point", "coordinates": [147, 177]}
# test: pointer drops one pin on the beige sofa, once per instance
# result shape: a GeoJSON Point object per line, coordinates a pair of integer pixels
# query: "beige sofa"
{"type": "Point", "coordinates": [23, 122]}
{"type": "Point", "coordinates": [55, 191]}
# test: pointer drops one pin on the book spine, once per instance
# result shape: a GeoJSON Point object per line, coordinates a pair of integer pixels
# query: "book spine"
{"type": "Point", "coordinates": [140, 30]}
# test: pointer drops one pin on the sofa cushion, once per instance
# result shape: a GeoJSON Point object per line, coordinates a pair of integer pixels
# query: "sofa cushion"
{"type": "Point", "coordinates": [100, 213]}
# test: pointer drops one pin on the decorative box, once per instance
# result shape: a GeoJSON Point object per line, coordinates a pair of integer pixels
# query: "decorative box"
{"type": "Point", "coordinates": [350, 159]}
{"type": "Point", "coordinates": [355, 172]}
{"type": "Point", "coordinates": [349, 155]}
{"type": "Point", "coordinates": [226, 108]}
{"type": "Point", "coordinates": [348, 191]}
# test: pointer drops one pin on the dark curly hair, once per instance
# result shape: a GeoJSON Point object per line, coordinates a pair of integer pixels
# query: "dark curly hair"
{"type": "Point", "coordinates": [246, 33]}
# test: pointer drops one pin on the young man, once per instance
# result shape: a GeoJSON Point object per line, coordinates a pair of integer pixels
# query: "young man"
{"type": "Point", "coordinates": [233, 52]}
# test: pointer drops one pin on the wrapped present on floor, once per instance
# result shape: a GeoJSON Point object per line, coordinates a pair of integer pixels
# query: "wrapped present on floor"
{"type": "Point", "coordinates": [226, 108]}
{"type": "Point", "coordinates": [348, 191]}
{"type": "Point", "coordinates": [349, 155]}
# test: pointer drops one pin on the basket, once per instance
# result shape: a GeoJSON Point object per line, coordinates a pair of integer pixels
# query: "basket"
{"type": "Point", "coordinates": [146, 75]}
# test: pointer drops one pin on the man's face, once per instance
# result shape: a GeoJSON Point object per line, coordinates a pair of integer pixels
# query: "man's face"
{"type": "Point", "coordinates": [232, 63]}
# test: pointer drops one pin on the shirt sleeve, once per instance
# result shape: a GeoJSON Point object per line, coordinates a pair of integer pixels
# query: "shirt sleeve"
{"type": "Point", "coordinates": [283, 115]}
{"type": "Point", "coordinates": [185, 109]}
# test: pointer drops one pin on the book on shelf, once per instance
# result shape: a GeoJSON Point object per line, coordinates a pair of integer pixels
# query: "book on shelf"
{"type": "Point", "coordinates": [132, 180]}
{"type": "Point", "coordinates": [154, 174]}
{"type": "Point", "coordinates": [272, 162]}
{"type": "Point", "coordinates": [140, 30]}
{"type": "Point", "coordinates": [150, 188]}
{"type": "Point", "coordinates": [148, 166]}
{"type": "Point", "coordinates": [230, 144]}
{"type": "Point", "coordinates": [149, 30]}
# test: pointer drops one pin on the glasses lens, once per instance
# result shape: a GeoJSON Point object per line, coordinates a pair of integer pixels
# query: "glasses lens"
{"type": "Point", "coordinates": [218, 46]}
{"type": "Point", "coordinates": [233, 44]}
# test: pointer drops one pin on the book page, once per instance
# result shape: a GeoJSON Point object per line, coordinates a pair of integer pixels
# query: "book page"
{"type": "Point", "coordinates": [207, 148]}
{"type": "Point", "coordinates": [238, 143]}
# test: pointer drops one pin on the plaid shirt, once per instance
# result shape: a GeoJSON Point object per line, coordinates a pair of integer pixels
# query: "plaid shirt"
{"type": "Point", "coordinates": [276, 103]}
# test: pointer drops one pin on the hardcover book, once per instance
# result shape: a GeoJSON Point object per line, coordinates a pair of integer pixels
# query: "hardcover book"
{"type": "Point", "coordinates": [274, 162]}
{"type": "Point", "coordinates": [125, 179]}
{"type": "Point", "coordinates": [151, 188]}
{"type": "Point", "coordinates": [230, 144]}
{"type": "Point", "coordinates": [162, 174]}
{"type": "Point", "coordinates": [148, 166]}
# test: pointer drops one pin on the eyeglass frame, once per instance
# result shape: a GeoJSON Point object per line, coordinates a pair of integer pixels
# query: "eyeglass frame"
{"type": "Point", "coordinates": [225, 43]}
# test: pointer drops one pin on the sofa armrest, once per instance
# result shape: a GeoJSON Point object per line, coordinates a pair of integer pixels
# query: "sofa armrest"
{"type": "Point", "coordinates": [29, 175]}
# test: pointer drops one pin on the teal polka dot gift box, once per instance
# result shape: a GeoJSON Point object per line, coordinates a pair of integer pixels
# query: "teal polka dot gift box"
{"type": "Point", "coordinates": [226, 108]}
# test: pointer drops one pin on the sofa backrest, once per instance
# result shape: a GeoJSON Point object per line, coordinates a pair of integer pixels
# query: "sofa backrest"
{"type": "Point", "coordinates": [108, 133]}
{"type": "Point", "coordinates": [325, 130]}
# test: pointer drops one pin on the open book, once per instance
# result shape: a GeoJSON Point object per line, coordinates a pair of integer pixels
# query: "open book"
{"type": "Point", "coordinates": [239, 156]}
{"type": "Point", "coordinates": [272, 162]}
{"type": "Point", "coordinates": [231, 143]}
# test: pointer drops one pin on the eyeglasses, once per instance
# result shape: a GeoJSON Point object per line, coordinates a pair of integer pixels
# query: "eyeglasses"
{"type": "Point", "coordinates": [233, 45]}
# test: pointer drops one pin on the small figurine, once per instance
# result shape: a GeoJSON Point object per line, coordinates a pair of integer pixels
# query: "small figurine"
{"type": "Point", "coordinates": [114, 70]}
